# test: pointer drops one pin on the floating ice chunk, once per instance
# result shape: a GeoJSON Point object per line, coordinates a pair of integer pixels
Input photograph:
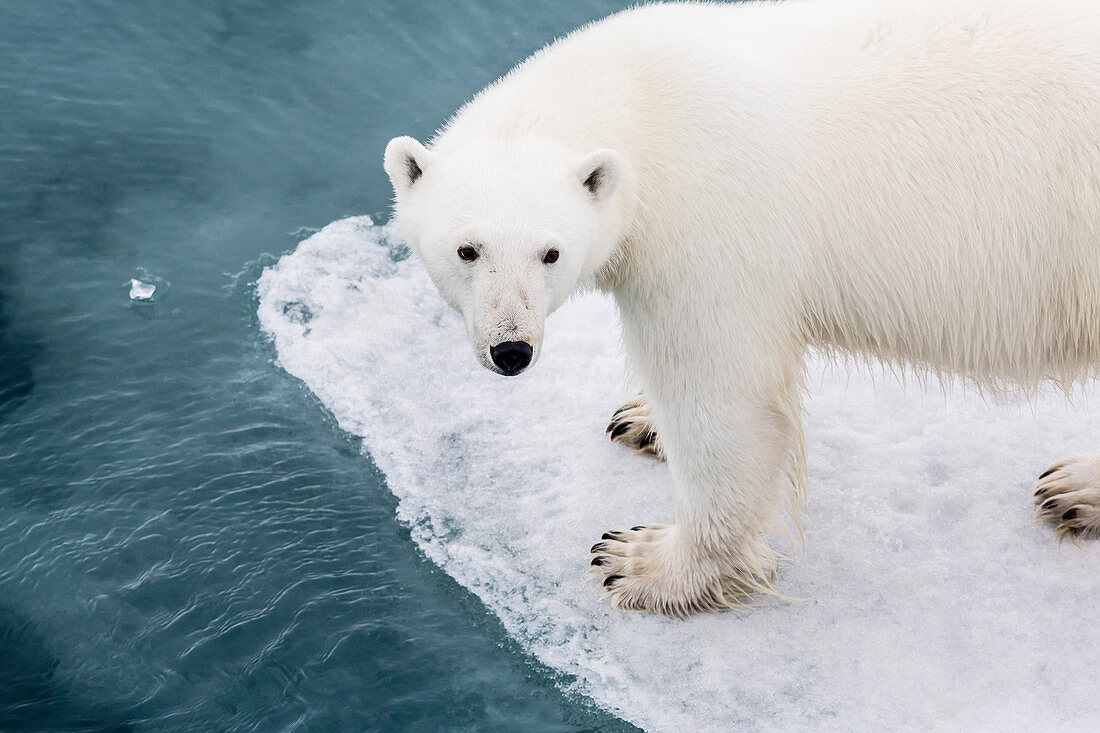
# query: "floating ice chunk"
{"type": "Point", "coordinates": [141, 290]}
{"type": "Point", "coordinates": [932, 599]}
{"type": "Point", "coordinates": [146, 287]}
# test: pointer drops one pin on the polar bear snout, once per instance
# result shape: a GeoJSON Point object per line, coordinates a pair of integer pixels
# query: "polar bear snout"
{"type": "Point", "coordinates": [511, 357]}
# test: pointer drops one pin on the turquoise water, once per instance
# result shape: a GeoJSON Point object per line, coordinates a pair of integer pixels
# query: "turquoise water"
{"type": "Point", "coordinates": [187, 542]}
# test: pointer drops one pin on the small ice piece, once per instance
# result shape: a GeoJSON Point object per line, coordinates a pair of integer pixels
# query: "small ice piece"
{"type": "Point", "coordinates": [141, 290]}
{"type": "Point", "coordinates": [146, 287]}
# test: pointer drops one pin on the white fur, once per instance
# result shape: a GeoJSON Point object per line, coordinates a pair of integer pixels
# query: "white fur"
{"type": "Point", "coordinates": [915, 181]}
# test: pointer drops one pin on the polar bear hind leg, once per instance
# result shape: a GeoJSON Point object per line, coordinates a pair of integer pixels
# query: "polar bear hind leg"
{"type": "Point", "coordinates": [1068, 496]}
{"type": "Point", "coordinates": [633, 426]}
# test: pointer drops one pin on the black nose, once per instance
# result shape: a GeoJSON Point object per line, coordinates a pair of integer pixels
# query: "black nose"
{"type": "Point", "coordinates": [511, 356]}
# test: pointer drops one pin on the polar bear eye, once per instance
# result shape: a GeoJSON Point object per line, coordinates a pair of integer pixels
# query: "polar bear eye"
{"type": "Point", "coordinates": [467, 253]}
{"type": "Point", "coordinates": [551, 257]}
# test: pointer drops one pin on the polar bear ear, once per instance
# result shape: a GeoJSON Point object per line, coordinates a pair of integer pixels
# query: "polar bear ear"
{"type": "Point", "coordinates": [405, 162]}
{"type": "Point", "coordinates": [600, 173]}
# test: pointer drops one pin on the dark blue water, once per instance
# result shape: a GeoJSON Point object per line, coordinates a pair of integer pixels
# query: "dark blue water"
{"type": "Point", "coordinates": [186, 540]}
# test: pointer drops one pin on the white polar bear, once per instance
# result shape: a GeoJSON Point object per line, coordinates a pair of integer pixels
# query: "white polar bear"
{"type": "Point", "coordinates": [917, 182]}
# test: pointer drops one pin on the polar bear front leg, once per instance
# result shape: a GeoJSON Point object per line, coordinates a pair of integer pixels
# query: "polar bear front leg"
{"type": "Point", "coordinates": [1068, 496]}
{"type": "Point", "coordinates": [734, 458]}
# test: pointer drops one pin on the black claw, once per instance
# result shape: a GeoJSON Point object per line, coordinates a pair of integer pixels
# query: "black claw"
{"type": "Point", "coordinates": [647, 439]}
{"type": "Point", "coordinates": [610, 536]}
{"type": "Point", "coordinates": [598, 547]}
{"type": "Point", "coordinates": [1047, 473]}
{"type": "Point", "coordinates": [1040, 492]}
{"type": "Point", "coordinates": [1070, 514]}
{"type": "Point", "coordinates": [619, 430]}
{"type": "Point", "coordinates": [611, 579]}
{"type": "Point", "coordinates": [1048, 505]}
{"type": "Point", "coordinates": [638, 528]}
{"type": "Point", "coordinates": [599, 560]}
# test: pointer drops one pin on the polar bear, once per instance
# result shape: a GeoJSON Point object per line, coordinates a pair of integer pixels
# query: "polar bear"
{"type": "Point", "coordinates": [915, 181]}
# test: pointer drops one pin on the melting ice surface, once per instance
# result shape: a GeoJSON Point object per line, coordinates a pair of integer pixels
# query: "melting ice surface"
{"type": "Point", "coordinates": [930, 597]}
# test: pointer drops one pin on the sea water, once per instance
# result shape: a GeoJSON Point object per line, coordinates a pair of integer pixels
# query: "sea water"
{"type": "Point", "coordinates": [188, 541]}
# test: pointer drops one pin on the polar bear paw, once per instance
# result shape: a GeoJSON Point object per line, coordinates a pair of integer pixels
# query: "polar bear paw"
{"type": "Point", "coordinates": [644, 569]}
{"type": "Point", "coordinates": [1068, 496]}
{"type": "Point", "coordinates": [633, 426]}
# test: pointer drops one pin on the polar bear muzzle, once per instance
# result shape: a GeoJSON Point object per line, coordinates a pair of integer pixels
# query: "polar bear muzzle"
{"type": "Point", "coordinates": [511, 357]}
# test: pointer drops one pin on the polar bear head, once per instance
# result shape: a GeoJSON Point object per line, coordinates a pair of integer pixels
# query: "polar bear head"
{"type": "Point", "coordinates": [507, 230]}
